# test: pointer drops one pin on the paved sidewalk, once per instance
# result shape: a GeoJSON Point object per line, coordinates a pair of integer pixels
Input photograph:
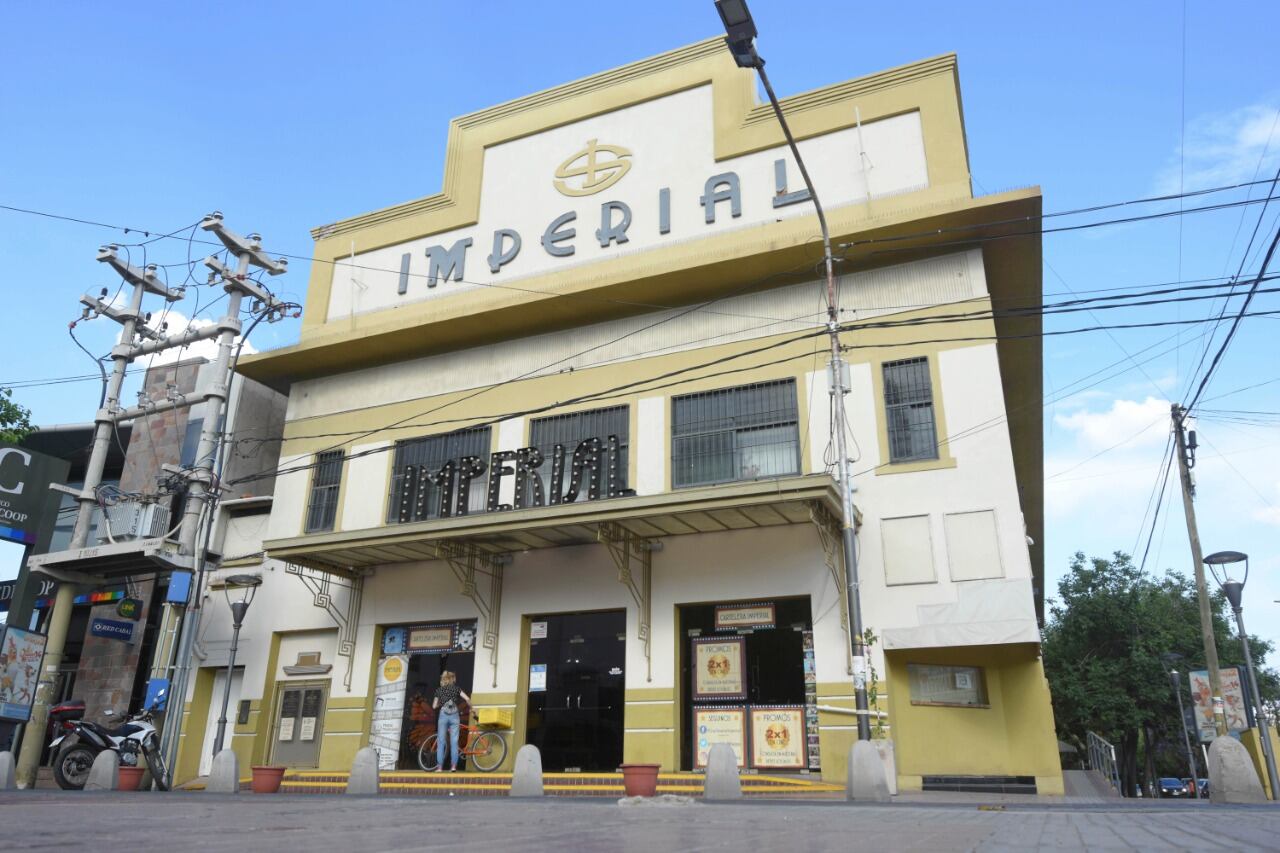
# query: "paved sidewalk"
{"type": "Point", "coordinates": [38, 820]}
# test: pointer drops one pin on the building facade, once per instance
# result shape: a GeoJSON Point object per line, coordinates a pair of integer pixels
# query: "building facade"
{"type": "Point", "coordinates": [563, 428]}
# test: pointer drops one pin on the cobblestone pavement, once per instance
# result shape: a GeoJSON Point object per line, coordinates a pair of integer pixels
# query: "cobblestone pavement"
{"type": "Point", "coordinates": [38, 820]}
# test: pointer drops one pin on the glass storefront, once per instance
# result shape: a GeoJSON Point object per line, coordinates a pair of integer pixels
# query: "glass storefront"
{"type": "Point", "coordinates": [748, 679]}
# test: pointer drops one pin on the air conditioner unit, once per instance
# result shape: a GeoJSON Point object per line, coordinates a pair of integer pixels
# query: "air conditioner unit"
{"type": "Point", "coordinates": [130, 520]}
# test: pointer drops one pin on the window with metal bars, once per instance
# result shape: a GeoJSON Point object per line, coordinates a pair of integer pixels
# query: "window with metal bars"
{"type": "Point", "coordinates": [743, 433]}
{"type": "Point", "coordinates": [908, 406]}
{"type": "Point", "coordinates": [415, 495]}
{"type": "Point", "coordinates": [569, 430]}
{"type": "Point", "coordinates": [322, 512]}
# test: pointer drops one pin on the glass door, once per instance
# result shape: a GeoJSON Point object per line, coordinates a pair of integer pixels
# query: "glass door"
{"type": "Point", "coordinates": [577, 690]}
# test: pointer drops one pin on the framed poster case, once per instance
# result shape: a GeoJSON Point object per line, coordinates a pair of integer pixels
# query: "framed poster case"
{"type": "Point", "coordinates": [719, 669]}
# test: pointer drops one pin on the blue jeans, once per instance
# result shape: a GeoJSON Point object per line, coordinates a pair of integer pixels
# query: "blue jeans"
{"type": "Point", "coordinates": [447, 723]}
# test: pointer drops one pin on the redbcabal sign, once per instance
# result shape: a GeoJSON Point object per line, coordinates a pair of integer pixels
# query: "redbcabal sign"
{"type": "Point", "coordinates": [25, 499]}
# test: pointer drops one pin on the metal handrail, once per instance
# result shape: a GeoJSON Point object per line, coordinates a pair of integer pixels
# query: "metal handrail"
{"type": "Point", "coordinates": [1102, 758]}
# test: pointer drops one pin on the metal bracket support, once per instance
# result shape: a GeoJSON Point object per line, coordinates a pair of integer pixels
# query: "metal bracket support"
{"type": "Point", "coordinates": [467, 561]}
{"type": "Point", "coordinates": [632, 554]}
{"type": "Point", "coordinates": [321, 587]}
{"type": "Point", "coordinates": [829, 535]}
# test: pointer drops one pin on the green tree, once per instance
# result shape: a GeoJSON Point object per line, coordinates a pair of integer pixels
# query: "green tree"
{"type": "Point", "coordinates": [1106, 644]}
{"type": "Point", "coordinates": [15, 420]}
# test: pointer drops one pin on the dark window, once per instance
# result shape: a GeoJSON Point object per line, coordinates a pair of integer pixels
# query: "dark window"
{"type": "Point", "coordinates": [569, 430]}
{"type": "Point", "coordinates": [741, 433]}
{"type": "Point", "coordinates": [414, 496]}
{"type": "Point", "coordinates": [929, 684]}
{"type": "Point", "coordinates": [323, 509]}
{"type": "Point", "coordinates": [908, 406]}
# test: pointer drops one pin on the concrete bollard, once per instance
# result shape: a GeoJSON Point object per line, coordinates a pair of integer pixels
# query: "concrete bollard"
{"type": "Point", "coordinates": [8, 781]}
{"type": "Point", "coordinates": [104, 775]}
{"type": "Point", "coordinates": [1232, 778]}
{"type": "Point", "coordinates": [526, 778]}
{"type": "Point", "coordinates": [224, 777]}
{"type": "Point", "coordinates": [722, 782]}
{"type": "Point", "coordinates": [364, 772]}
{"type": "Point", "coordinates": [866, 783]}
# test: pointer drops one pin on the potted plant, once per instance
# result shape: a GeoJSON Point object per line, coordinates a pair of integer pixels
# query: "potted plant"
{"type": "Point", "coordinates": [267, 778]}
{"type": "Point", "coordinates": [640, 780]}
{"type": "Point", "coordinates": [130, 777]}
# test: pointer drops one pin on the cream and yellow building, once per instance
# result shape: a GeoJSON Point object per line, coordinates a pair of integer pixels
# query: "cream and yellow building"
{"type": "Point", "coordinates": [564, 428]}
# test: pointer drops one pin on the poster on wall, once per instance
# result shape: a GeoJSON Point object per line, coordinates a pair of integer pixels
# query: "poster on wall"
{"type": "Point", "coordinates": [719, 725]}
{"type": "Point", "coordinates": [811, 703]}
{"type": "Point", "coordinates": [432, 638]}
{"type": "Point", "coordinates": [758, 615]}
{"type": "Point", "coordinates": [21, 655]}
{"type": "Point", "coordinates": [388, 709]}
{"type": "Point", "coordinates": [778, 738]}
{"type": "Point", "coordinates": [719, 668]}
{"type": "Point", "coordinates": [1233, 703]}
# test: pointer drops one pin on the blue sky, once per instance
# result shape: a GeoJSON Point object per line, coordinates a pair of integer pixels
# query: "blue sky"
{"type": "Point", "coordinates": [150, 117]}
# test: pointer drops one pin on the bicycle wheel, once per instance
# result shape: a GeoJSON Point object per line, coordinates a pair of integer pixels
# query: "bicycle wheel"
{"type": "Point", "coordinates": [427, 754]}
{"type": "Point", "coordinates": [487, 750]}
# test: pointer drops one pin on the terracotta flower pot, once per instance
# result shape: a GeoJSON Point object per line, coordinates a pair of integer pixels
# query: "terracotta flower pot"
{"type": "Point", "coordinates": [266, 779]}
{"type": "Point", "coordinates": [130, 777]}
{"type": "Point", "coordinates": [640, 780]}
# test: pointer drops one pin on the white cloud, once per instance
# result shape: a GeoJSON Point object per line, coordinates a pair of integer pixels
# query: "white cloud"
{"type": "Point", "coordinates": [177, 323]}
{"type": "Point", "coordinates": [1224, 149]}
{"type": "Point", "coordinates": [1137, 424]}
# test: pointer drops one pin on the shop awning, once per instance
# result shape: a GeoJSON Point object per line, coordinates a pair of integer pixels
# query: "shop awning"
{"type": "Point", "coordinates": [733, 506]}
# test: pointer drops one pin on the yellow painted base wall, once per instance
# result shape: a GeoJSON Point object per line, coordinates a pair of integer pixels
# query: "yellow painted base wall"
{"type": "Point", "coordinates": [1253, 742]}
{"type": "Point", "coordinates": [1014, 736]}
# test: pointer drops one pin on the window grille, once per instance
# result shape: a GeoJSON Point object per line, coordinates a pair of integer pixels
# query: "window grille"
{"type": "Point", "coordinates": [908, 404]}
{"type": "Point", "coordinates": [323, 509]}
{"type": "Point", "coordinates": [414, 496]}
{"type": "Point", "coordinates": [743, 433]}
{"type": "Point", "coordinates": [569, 430]}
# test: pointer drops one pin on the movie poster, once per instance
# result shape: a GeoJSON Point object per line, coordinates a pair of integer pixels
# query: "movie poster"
{"type": "Point", "coordinates": [21, 654]}
{"type": "Point", "coordinates": [719, 725]}
{"type": "Point", "coordinates": [1233, 702]}
{"type": "Point", "coordinates": [778, 738]}
{"type": "Point", "coordinates": [719, 668]}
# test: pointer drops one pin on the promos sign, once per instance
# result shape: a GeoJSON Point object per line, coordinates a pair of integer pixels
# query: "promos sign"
{"type": "Point", "coordinates": [431, 638]}
{"type": "Point", "coordinates": [729, 616]}
{"type": "Point", "coordinates": [719, 668]}
{"type": "Point", "coordinates": [719, 725]}
{"type": "Point", "coordinates": [388, 709]}
{"type": "Point", "coordinates": [21, 654]}
{"type": "Point", "coordinates": [1233, 702]}
{"type": "Point", "coordinates": [25, 498]}
{"type": "Point", "coordinates": [778, 737]}
{"type": "Point", "coordinates": [112, 629]}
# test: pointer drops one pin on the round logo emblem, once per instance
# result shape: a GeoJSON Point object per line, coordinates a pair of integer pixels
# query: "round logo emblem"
{"type": "Point", "coordinates": [392, 669]}
{"type": "Point", "coordinates": [595, 174]}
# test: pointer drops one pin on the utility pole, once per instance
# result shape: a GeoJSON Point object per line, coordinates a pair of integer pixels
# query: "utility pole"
{"type": "Point", "coordinates": [741, 30]}
{"type": "Point", "coordinates": [202, 497]}
{"type": "Point", "coordinates": [202, 494]}
{"type": "Point", "coordinates": [1185, 463]}
{"type": "Point", "coordinates": [143, 281]}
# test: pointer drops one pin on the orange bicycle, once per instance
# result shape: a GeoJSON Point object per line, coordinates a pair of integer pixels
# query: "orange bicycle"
{"type": "Point", "coordinates": [484, 749]}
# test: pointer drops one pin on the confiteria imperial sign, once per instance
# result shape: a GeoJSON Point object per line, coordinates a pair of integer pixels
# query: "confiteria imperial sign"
{"type": "Point", "coordinates": [587, 172]}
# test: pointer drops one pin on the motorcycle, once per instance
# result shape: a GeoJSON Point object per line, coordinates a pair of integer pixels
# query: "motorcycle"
{"type": "Point", "coordinates": [75, 750]}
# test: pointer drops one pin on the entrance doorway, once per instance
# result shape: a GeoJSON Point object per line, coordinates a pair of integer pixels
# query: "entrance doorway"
{"type": "Point", "coordinates": [577, 690]}
{"type": "Point", "coordinates": [299, 724]}
{"type": "Point", "coordinates": [215, 711]}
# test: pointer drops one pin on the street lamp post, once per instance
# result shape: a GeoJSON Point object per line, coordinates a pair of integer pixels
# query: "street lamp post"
{"type": "Point", "coordinates": [1233, 589]}
{"type": "Point", "coordinates": [248, 586]}
{"type": "Point", "coordinates": [1176, 678]}
{"type": "Point", "coordinates": [740, 37]}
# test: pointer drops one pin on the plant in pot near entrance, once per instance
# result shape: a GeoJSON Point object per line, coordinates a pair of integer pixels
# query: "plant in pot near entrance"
{"type": "Point", "coordinates": [640, 780]}
{"type": "Point", "coordinates": [267, 778]}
